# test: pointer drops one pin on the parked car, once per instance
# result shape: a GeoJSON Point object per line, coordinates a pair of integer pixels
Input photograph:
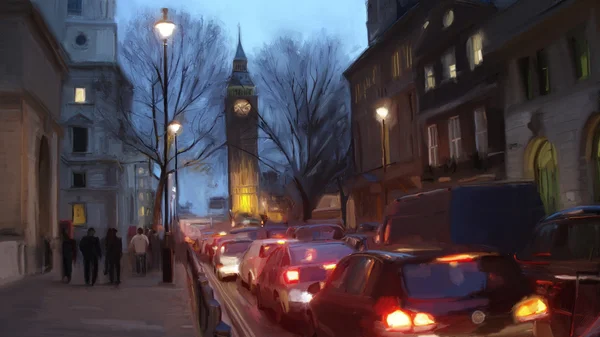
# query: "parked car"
{"type": "Point", "coordinates": [227, 257]}
{"type": "Point", "coordinates": [500, 215]}
{"type": "Point", "coordinates": [210, 248]}
{"type": "Point", "coordinates": [272, 231]}
{"type": "Point", "coordinates": [367, 227]}
{"type": "Point", "coordinates": [319, 232]}
{"type": "Point", "coordinates": [563, 261]}
{"type": "Point", "coordinates": [253, 261]}
{"type": "Point", "coordinates": [290, 269]}
{"type": "Point", "coordinates": [360, 242]}
{"type": "Point", "coordinates": [425, 291]}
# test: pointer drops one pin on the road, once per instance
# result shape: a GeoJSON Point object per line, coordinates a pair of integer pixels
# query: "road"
{"type": "Point", "coordinates": [241, 309]}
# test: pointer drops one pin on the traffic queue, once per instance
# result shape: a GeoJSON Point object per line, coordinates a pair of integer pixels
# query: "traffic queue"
{"type": "Point", "coordinates": [388, 279]}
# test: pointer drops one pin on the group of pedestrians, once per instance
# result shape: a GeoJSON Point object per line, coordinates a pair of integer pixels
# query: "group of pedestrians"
{"type": "Point", "coordinates": [91, 250]}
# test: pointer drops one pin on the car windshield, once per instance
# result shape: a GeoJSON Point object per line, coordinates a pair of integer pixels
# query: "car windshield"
{"type": "Point", "coordinates": [576, 240]}
{"type": "Point", "coordinates": [235, 247]}
{"type": "Point", "coordinates": [319, 253]}
{"type": "Point", "coordinates": [462, 278]}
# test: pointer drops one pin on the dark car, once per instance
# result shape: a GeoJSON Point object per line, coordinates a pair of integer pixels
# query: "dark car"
{"type": "Point", "coordinates": [563, 261]}
{"type": "Point", "coordinates": [425, 290]}
{"type": "Point", "coordinates": [319, 232]}
{"type": "Point", "coordinates": [272, 232]}
{"type": "Point", "coordinates": [360, 242]}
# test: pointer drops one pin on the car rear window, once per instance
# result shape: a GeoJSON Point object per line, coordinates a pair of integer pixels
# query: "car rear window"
{"type": "Point", "coordinates": [276, 233]}
{"type": "Point", "coordinates": [319, 233]}
{"type": "Point", "coordinates": [319, 253]}
{"type": "Point", "coordinates": [462, 279]}
{"type": "Point", "coordinates": [235, 247]}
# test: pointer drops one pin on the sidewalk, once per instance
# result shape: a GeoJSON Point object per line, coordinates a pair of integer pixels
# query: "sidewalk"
{"type": "Point", "coordinates": [40, 307]}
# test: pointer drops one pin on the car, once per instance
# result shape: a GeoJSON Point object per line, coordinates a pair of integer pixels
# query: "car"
{"type": "Point", "coordinates": [562, 260]}
{"type": "Point", "coordinates": [254, 259]}
{"type": "Point", "coordinates": [360, 241]}
{"type": "Point", "coordinates": [283, 283]}
{"type": "Point", "coordinates": [212, 244]}
{"type": "Point", "coordinates": [273, 231]}
{"type": "Point", "coordinates": [251, 233]}
{"type": "Point", "coordinates": [319, 232]}
{"type": "Point", "coordinates": [368, 227]}
{"type": "Point", "coordinates": [428, 290]}
{"type": "Point", "coordinates": [227, 257]}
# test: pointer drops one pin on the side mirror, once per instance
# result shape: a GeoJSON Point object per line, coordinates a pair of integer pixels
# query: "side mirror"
{"type": "Point", "coordinates": [314, 288]}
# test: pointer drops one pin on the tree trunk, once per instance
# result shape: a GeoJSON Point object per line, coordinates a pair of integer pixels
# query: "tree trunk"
{"type": "Point", "coordinates": [158, 197]}
{"type": "Point", "coordinates": [306, 202]}
{"type": "Point", "coordinates": [343, 202]}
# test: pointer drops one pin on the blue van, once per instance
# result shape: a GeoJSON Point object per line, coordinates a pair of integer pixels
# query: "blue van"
{"type": "Point", "coordinates": [500, 215]}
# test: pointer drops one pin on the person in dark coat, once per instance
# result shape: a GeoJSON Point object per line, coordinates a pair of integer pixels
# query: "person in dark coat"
{"type": "Point", "coordinates": [69, 255]}
{"type": "Point", "coordinates": [90, 248]}
{"type": "Point", "coordinates": [114, 252]}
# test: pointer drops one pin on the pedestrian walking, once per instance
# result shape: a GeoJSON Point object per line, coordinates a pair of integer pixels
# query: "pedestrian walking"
{"type": "Point", "coordinates": [139, 244]}
{"type": "Point", "coordinates": [91, 250]}
{"type": "Point", "coordinates": [114, 252]}
{"type": "Point", "coordinates": [69, 255]}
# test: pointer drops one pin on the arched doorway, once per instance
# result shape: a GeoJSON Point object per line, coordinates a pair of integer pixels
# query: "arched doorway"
{"type": "Point", "coordinates": [546, 176]}
{"type": "Point", "coordinates": [44, 223]}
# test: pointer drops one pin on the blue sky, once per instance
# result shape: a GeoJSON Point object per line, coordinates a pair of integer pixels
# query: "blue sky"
{"type": "Point", "coordinates": [261, 21]}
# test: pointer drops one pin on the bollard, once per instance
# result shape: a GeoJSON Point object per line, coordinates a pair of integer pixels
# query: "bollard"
{"type": "Point", "coordinates": [214, 316]}
{"type": "Point", "coordinates": [222, 330]}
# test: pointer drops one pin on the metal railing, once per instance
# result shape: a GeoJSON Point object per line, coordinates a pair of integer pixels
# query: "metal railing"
{"type": "Point", "coordinates": [207, 310]}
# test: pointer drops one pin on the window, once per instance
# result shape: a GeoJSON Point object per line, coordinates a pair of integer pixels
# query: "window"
{"type": "Point", "coordinates": [454, 136]}
{"type": "Point", "coordinates": [475, 50]}
{"type": "Point", "coordinates": [74, 7]}
{"type": "Point", "coordinates": [357, 93]}
{"type": "Point", "coordinates": [429, 78]}
{"type": "Point", "coordinates": [407, 56]}
{"type": "Point", "coordinates": [576, 240]}
{"type": "Point", "coordinates": [141, 211]}
{"type": "Point", "coordinates": [336, 281]}
{"type": "Point", "coordinates": [449, 64]}
{"type": "Point", "coordinates": [374, 79]}
{"type": "Point", "coordinates": [360, 270]}
{"type": "Point", "coordinates": [141, 196]}
{"type": "Point", "coordinates": [78, 180]}
{"type": "Point", "coordinates": [78, 214]}
{"type": "Point", "coordinates": [580, 50]}
{"type": "Point", "coordinates": [526, 76]}
{"type": "Point", "coordinates": [79, 95]}
{"type": "Point", "coordinates": [543, 71]}
{"type": "Point", "coordinates": [481, 137]}
{"type": "Point", "coordinates": [448, 18]}
{"type": "Point", "coordinates": [432, 145]}
{"type": "Point", "coordinates": [80, 139]}
{"type": "Point", "coordinates": [396, 70]}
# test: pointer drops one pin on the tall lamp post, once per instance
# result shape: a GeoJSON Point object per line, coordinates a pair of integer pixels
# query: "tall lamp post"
{"type": "Point", "coordinates": [382, 112]}
{"type": "Point", "coordinates": [175, 130]}
{"type": "Point", "coordinates": [165, 28]}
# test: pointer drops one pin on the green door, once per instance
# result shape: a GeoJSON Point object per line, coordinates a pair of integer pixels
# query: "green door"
{"type": "Point", "coordinates": [547, 177]}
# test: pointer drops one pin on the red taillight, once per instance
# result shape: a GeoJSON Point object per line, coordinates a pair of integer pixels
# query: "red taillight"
{"type": "Point", "coordinates": [291, 276]}
{"type": "Point", "coordinates": [400, 320]}
{"type": "Point", "coordinates": [330, 266]}
{"type": "Point", "coordinates": [456, 258]}
{"type": "Point", "coordinates": [219, 265]}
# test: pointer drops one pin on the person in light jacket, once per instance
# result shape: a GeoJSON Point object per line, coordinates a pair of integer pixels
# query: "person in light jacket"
{"type": "Point", "coordinates": [139, 244]}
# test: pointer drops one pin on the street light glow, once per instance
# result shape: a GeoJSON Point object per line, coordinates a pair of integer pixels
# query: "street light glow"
{"type": "Point", "coordinates": [174, 127]}
{"type": "Point", "coordinates": [165, 27]}
{"type": "Point", "coordinates": [382, 112]}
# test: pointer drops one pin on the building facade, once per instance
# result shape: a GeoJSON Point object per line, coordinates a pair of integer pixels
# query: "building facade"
{"type": "Point", "coordinates": [241, 124]}
{"type": "Point", "coordinates": [95, 189]}
{"type": "Point", "coordinates": [383, 76]}
{"type": "Point", "coordinates": [33, 69]}
{"type": "Point", "coordinates": [460, 100]}
{"type": "Point", "coordinates": [552, 95]}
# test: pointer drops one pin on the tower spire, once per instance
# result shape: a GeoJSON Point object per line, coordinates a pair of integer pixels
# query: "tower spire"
{"type": "Point", "coordinates": [240, 55]}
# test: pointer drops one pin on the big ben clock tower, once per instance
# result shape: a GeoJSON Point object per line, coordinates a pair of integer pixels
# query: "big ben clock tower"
{"type": "Point", "coordinates": [241, 122]}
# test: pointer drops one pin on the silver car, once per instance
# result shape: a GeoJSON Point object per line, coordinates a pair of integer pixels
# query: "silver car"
{"type": "Point", "coordinates": [227, 257]}
{"type": "Point", "coordinates": [290, 269]}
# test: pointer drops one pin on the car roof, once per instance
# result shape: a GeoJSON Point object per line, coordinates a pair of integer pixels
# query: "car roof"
{"type": "Point", "coordinates": [245, 229]}
{"type": "Point", "coordinates": [235, 240]}
{"type": "Point", "coordinates": [575, 212]}
{"type": "Point", "coordinates": [319, 243]}
{"type": "Point", "coordinates": [318, 225]}
{"type": "Point", "coordinates": [273, 240]}
{"type": "Point", "coordinates": [402, 252]}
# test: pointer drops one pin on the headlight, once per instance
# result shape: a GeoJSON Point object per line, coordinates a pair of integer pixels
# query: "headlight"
{"type": "Point", "coordinates": [300, 296]}
{"type": "Point", "coordinates": [531, 309]}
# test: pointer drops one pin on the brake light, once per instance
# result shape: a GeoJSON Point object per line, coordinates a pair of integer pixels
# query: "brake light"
{"type": "Point", "coordinates": [291, 276]}
{"type": "Point", "coordinates": [456, 258]}
{"type": "Point", "coordinates": [219, 265]}
{"type": "Point", "coordinates": [423, 320]}
{"type": "Point", "coordinates": [530, 309]}
{"type": "Point", "coordinates": [329, 266]}
{"type": "Point", "coordinates": [398, 321]}
{"type": "Point", "coordinates": [280, 242]}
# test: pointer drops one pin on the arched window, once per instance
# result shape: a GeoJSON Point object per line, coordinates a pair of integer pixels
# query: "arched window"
{"type": "Point", "coordinates": [546, 176]}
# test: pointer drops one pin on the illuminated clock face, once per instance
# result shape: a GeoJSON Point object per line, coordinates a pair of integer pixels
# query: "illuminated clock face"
{"type": "Point", "coordinates": [242, 107]}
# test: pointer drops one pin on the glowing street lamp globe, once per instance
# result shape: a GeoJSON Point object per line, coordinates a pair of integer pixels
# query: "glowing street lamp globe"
{"type": "Point", "coordinates": [165, 27]}
{"type": "Point", "coordinates": [382, 112]}
{"type": "Point", "coordinates": [174, 127]}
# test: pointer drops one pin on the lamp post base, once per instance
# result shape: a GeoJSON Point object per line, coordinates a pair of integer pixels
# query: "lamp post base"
{"type": "Point", "coordinates": [167, 265]}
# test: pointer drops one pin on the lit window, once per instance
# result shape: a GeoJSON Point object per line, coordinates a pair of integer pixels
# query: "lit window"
{"type": "Point", "coordinates": [448, 18]}
{"type": "Point", "coordinates": [580, 50]}
{"type": "Point", "coordinates": [141, 211]}
{"type": "Point", "coordinates": [449, 64]}
{"type": "Point", "coordinates": [543, 71]}
{"type": "Point", "coordinates": [78, 214]}
{"type": "Point", "coordinates": [407, 56]}
{"type": "Point", "coordinates": [426, 24]}
{"type": "Point", "coordinates": [475, 50]}
{"type": "Point", "coordinates": [141, 196]}
{"type": "Point", "coordinates": [396, 71]}
{"type": "Point", "coordinates": [454, 137]}
{"type": "Point", "coordinates": [79, 95]}
{"type": "Point", "coordinates": [432, 145]}
{"type": "Point", "coordinates": [481, 135]}
{"type": "Point", "coordinates": [429, 78]}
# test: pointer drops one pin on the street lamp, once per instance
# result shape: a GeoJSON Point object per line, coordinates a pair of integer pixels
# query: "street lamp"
{"type": "Point", "coordinates": [176, 129]}
{"type": "Point", "coordinates": [165, 28]}
{"type": "Point", "coordinates": [382, 112]}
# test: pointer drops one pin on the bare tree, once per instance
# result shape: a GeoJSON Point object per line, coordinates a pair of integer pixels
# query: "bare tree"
{"type": "Point", "coordinates": [196, 80]}
{"type": "Point", "coordinates": [305, 111]}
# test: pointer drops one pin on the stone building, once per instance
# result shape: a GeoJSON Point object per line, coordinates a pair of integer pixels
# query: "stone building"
{"type": "Point", "coordinates": [552, 95]}
{"type": "Point", "coordinates": [33, 66]}
{"type": "Point", "coordinates": [95, 190]}
{"type": "Point", "coordinates": [383, 76]}
{"type": "Point", "coordinates": [460, 99]}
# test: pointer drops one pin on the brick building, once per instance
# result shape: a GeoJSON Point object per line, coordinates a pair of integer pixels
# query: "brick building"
{"type": "Point", "coordinates": [383, 76]}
